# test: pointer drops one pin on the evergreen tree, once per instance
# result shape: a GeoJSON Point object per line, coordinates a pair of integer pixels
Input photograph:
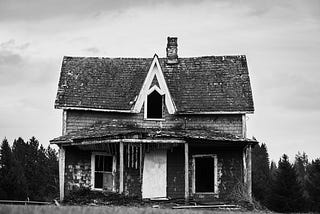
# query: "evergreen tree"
{"type": "Point", "coordinates": [32, 170]}
{"type": "Point", "coordinates": [260, 173]}
{"type": "Point", "coordinates": [300, 165]}
{"type": "Point", "coordinates": [42, 174]}
{"type": "Point", "coordinates": [286, 192]}
{"type": "Point", "coordinates": [19, 153]}
{"type": "Point", "coordinates": [313, 185]}
{"type": "Point", "coordinates": [52, 185]}
{"type": "Point", "coordinates": [28, 171]}
{"type": "Point", "coordinates": [273, 171]}
{"type": "Point", "coordinates": [6, 164]}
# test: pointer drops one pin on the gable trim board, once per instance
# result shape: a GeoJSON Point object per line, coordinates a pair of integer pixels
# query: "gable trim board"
{"type": "Point", "coordinates": [155, 71]}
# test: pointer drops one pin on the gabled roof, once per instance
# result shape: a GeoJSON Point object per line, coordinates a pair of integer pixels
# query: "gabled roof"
{"type": "Point", "coordinates": [197, 84]}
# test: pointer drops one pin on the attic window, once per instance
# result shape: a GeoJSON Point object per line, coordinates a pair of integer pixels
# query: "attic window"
{"type": "Point", "coordinates": [154, 105]}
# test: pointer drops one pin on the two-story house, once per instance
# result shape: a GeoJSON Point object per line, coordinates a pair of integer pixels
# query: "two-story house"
{"type": "Point", "coordinates": [155, 127]}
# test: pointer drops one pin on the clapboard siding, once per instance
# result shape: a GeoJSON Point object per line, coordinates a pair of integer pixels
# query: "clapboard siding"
{"type": "Point", "coordinates": [232, 124]}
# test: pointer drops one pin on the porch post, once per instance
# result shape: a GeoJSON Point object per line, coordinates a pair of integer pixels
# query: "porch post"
{"type": "Point", "coordinates": [61, 171]}
{"type": "Point", "coordinates": [186, 172]}
{"type": "Point", "coordinates": [121, 168]}
{"type": "Point", "coordinates": [249, 173]}
{"type": "Point", "coordinates": [244, 160]}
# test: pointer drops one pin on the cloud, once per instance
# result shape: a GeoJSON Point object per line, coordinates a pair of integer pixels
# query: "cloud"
{"type": "Point", "coordinates": [42, 9]}
{"type": "Point", "coordinates": [11, 45]}
{"type": "Point", "coordinates": [92, 50]}
{"type": "Point", "coordinates": [280, 38]}
{"type": "Point", "coordinates": [45, 9]}
{"type": "Point", "coordinates": [8, 58]}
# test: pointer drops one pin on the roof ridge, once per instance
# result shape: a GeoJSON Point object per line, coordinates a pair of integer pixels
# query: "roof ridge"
{"type": "Point", "coordinates": [189, 57]}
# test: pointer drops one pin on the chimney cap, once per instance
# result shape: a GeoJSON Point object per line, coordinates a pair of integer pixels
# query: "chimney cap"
{"type": "Point", "coordinates": [172, 41]}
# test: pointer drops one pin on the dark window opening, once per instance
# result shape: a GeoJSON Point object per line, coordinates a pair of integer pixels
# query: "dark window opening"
{"type": "Point", "coordinates": [204, 174]}
{"type": "Point", "coordinates": [103, 177]}
{"type": "Point", "coordinates": [154, 105]}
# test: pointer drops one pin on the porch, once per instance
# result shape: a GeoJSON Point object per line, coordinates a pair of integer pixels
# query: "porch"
{"type": "Point", "coordinates": [161, 167]}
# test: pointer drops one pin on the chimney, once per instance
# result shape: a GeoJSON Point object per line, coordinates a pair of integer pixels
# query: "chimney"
{"type": "Point", "coordinates": [172, 50]}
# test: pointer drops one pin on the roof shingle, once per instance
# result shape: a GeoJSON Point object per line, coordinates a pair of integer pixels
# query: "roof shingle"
{"type": "Point", "coordinates": [197, 84]}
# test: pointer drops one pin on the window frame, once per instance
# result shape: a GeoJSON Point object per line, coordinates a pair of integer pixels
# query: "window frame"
{"type": "Point", "coordinates": [216, 186]}
{"type": "Point", "coordinates": [114, 163]}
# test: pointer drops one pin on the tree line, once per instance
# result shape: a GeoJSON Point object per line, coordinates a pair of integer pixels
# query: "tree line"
{"type": "Point", "coordinates": [286, 187]}
{"type": "Point", "coordinates": [28, 171]}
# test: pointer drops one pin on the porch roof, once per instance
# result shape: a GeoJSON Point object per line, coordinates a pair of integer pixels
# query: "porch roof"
{"type": "Point", "coordinates": [102, 131]}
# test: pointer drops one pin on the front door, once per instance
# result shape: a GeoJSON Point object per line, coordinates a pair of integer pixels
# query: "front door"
{"type": "Point", "coordinates": [154, 180]}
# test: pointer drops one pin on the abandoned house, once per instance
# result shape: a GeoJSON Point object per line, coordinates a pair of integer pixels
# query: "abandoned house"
{"type": "Point", "coordinates": [155, 127]}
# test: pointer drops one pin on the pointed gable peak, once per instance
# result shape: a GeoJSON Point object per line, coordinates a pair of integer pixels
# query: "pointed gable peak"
{"type": "Point", "coordinates": [154, 81]}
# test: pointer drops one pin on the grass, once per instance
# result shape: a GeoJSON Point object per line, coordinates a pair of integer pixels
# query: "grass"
{"type": "Point", "coordinates": [30, 209]}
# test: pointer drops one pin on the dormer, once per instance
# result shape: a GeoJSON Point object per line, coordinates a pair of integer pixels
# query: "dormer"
{"type": "Point", "coordinates": [154, 94]}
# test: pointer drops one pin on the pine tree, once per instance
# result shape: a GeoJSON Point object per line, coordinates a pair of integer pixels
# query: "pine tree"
{"type": "Point", "coordinates": [313, 185]}
{"type": "Point", "coordinates": [32, 169]}
{"type": "Point", "coordinates": [6, 164]}
{"type": "Point", "coordinates": [52, 185]}
{"type": "Point", "coordinates": [28, 171]}
{"type": "Point", "coordinates": [19, 153]}
{"type": "Point", "coordinates": [260, 173]}
{"type": "Point", "coordinates": [300, 165]}
{"type": "Point", "coordinates": [286, 192]}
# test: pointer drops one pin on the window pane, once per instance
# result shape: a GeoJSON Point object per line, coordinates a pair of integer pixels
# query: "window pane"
{"type": "Point", "coordinates": [98, 180]}
{"type": "Point", "coordinates": [107, 166]}
{"type": "Point", "coordinates": [99, 163]}
{"type": "Point", "coordinates": [107, 180]}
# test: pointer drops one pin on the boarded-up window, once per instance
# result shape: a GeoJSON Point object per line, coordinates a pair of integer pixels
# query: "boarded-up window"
{"type": "Point", "coordinates": [154, 105]}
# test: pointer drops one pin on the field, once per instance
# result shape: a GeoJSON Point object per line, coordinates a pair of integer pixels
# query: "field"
{"type": "Point", "coordinates": [29, 209]}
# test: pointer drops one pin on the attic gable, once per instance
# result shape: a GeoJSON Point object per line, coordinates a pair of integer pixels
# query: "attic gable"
{"type": "Point", "coordinates": [154, 81]}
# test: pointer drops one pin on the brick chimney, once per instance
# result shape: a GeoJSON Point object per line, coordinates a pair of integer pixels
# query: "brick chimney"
{"type": "Point", "coordinates": [172, 50]}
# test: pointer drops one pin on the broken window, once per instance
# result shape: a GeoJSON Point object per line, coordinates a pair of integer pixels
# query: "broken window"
{"type": "Point", "coordinates": [154, 105]}
{"type": "Point", "coordinates": [103, 177]}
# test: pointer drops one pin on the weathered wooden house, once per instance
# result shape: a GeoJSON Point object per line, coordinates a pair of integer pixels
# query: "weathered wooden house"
{"type": "Point", "coordinates": [155, 127]}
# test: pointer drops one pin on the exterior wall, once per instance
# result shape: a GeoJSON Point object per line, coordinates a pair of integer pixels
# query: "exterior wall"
{"type": "Point", "coordinates": [230, 171]}
{"type": "Point", "coordinates": [77, 168]}
{"type": "Point", "coordinates": [230, 168]}
{"type": "Point", "coordinates": [226, 123]}
{"type": "Point", "coordinates": [78, 173]}
{"type": "Point", "coordinates": [132, 182]}
{"type": "Point", "coordinates": [78, 162]}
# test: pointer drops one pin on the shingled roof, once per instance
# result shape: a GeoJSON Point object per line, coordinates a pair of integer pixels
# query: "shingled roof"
{"type": "Point", "coordinates": [107, 130]}
{"type": "Point", "coordinates": [196, 84]}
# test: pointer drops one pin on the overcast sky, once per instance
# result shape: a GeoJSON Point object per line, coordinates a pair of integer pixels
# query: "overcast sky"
{"type": "Point", "coordinates": [281, 40]}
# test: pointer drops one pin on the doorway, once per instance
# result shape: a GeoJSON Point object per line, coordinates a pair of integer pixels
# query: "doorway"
{"type": "Point", "coordinates": [204, 174]}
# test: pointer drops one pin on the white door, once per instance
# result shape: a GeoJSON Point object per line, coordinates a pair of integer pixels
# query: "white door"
{"type": "Point", "coordinates": [154, 179]}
